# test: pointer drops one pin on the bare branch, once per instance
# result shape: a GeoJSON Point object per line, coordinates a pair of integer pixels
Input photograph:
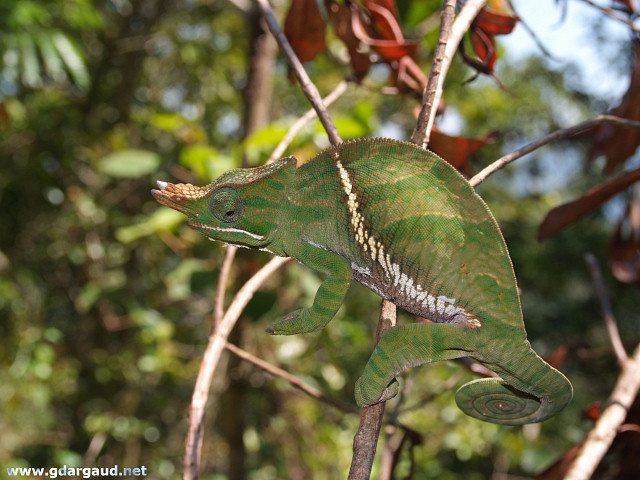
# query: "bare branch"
{"type": "Point", "coordinates": [302, 121]}
{"type": "Point", "coordinates": [307, 85]}
{"type": "Point", "coordinates": [366, 439]}
{"type": "Point", "coordinates": [611, 13]}
{"type": "Point", "coordinates": [600, 437]}
{"type": "Point", "coordinates": [609, 319]}
{"type": "Point", "coordinates": [552, 137]}
{"type": "Point", "coordinates": [441, 66]}
{"type": "Point", "coordinates": [210, 361]}
{"type": "Point", "coordinates": [292, 379]}
{"type": "Point", "coordinates": [218, 303]}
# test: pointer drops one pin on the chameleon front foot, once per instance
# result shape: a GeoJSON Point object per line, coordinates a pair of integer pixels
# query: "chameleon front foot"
{"type": "Point", "coordinates": [365, 397]}
{"type": "Point", "coordinates": [298, 321]}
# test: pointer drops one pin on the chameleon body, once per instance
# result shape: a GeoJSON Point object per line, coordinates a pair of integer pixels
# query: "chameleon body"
{"type": "Point", "coordinates": [407, 225]}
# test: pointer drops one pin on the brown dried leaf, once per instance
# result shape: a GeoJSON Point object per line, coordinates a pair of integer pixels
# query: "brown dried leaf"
{"type": "Point", "coordinates": [458, 150]}
{"type": "Point", "coordinates": [616, 142]}
{"type": "Point", "coordinates": [340, 18]}
{"type": "Point", "coordinates": [570, 212]}
{"type": "Point", "coordinates": [624, 245]}
{"type": "Point", "coordinates": [304, 28]}
{"type": "Point", "coordinates": [495, 19]}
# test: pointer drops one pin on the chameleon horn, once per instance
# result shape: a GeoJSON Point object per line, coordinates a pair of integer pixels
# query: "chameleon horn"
{"type": "Point", "coordinates": [493, 400]}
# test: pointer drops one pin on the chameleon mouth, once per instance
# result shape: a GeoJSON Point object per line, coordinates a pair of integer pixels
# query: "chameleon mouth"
{"type": "Point", "coordinates": [178, 195]}
{"type": "Point", "coordinates": [204, 226]}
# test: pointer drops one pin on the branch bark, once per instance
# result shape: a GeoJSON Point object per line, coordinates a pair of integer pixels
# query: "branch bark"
{"type": "Point", "coordinates": [552, 137]}
{"type": "Point", "coordinates": [292, 379]}
{"type": "Point", "coordinates": [210, 361]}
{"type": "Point", "coordinates": [366, 439]}
{"type": "Point", "coordinates": [307, 85]}
{"type": "Point", "coordinates": [440, 67]}
{"type": "Point", "coordinates": [600, 437]}
{"type": "Point", "coordinates": [607, 312]}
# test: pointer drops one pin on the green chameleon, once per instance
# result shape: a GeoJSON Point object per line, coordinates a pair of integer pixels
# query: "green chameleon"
{"type": "Point", "coordinates": [407, 225]}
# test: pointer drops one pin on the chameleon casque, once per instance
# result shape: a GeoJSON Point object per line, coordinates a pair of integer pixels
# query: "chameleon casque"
{"type": "Point", "coordinates": [407, 225]}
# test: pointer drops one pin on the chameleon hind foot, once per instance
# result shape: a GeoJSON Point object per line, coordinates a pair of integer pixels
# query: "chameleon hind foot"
{"type": "Point", "coordinates": [388, 393]}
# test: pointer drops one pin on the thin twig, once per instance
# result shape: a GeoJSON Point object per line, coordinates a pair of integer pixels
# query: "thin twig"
{"type": "Point", "coordinates": [607, 312]}
{"type": "Point", "coordinates": [307, 85]}
{"type": "Point", "coordinates": [552, 137]}
{"type": "Point", "coordinates": [462, 23]}
{"type": "Point", "coordinates": [600, 437]}
{"type": "Point", "coordinates": [225, 269]}
{"type": "Point", "coordinates": [306, 118]}
{"type": "Point", "coordinates": [422, 132]}
{"type": "Point", "coordinates": [210, 361]}
{"type": "Point", "coordinates": [609, 12]}
{"type": "Point", "coordinates": [292, 379]}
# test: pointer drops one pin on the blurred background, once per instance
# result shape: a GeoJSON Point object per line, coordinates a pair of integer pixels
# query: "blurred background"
{"type": "Point", "coordinates": [106, 297]}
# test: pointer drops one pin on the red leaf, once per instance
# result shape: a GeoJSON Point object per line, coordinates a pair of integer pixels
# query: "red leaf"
{"type": "Point", "coordinates": [570, 212]}
{"type": "Point", "coordinates": [624, 248]}
{"type": "Point", "coordinates": [340, 17]}
{"type": "Point", "coordinates": [495, 19]}
{"type": "Point", "coordinates": [592, 412]}
{"type": "Point", "coordinates": [304, 28]}
{"type": "Point", "coordinates": [457, 150]}
{"type": "Point", "coordinates": [390, 48]}
{"type": "Point", "coordinates": [557, 357]}
{"type": "Point", "coordinates": [616, 142]}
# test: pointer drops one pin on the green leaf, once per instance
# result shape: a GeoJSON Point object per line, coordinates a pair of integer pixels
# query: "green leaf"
{"type": "Point", "coordinates": [161, 219]}
{"type": "Point", "coordinates": [30, 65]}
{"type": "Point", "coordinates": [50, 56]}
{"type": "Point", "coordinates": [129, 163]}
{"type": "Point", "coordinates": [205, 161]}
{"type": "Point", "coordinates": [71, 57]}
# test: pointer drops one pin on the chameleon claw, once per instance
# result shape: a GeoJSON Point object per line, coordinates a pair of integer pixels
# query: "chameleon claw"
{"type": "Point", "coordinates": [162, 185]}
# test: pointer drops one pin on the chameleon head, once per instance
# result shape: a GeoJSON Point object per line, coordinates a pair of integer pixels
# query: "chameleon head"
{"type": "Point", "coordinates": [238, 208]}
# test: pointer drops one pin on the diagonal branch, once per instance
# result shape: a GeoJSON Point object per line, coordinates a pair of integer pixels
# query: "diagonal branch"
{"type": "Point", "coordinates": [601, 436]}
{"type": "Point", "coordinates": [292, 379]}
{"type": "Point", "coordinates": [303, 120]}
{"type": "Point", "coordinates": [552, 137]}
{"type": "Point", "coordinates": [210, 361]}
{"type": "Point", "coordinates": [605, 303]}
{"type": "Point", "coordinates": [307, 85]}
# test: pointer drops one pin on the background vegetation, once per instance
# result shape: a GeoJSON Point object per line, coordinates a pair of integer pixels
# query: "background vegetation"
{"type": "Point", "coordinates": [106, 299]}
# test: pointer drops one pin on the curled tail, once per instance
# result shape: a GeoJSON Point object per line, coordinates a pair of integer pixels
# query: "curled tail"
{"type": "Point", "coordinates": [529, 391]}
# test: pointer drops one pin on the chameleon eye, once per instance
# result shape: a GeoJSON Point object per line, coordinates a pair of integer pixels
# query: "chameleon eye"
{"type": "Point", "coordinates": [226, 205]}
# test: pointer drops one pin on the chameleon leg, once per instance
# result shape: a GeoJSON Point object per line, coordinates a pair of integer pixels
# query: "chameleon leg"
{"type": "Point", "coordinates": [404, 347]}
{"type": "Point", "coordinates": [328, 298]}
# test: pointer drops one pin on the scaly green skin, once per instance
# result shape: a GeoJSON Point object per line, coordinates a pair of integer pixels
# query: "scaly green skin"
{"type": "Point", "coordinates": [404, 223]}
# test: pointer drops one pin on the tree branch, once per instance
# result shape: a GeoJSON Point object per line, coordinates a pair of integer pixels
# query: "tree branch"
{"type": "Point", "coordinates": [366, 439]}
{"type": "Point", "coordinates": [451, 39]}
{"type": "Point", "coordinates": [225, 269]}
{"type": "Point", "coordinates": [600, 437]}
{"type": "Point", "coordinates": [607, 312]}
{"type": "Point", "coordinates": [302, 121]}
{"type": "Point", "coordinates": [552, 137]}
{"type": "Point", "coordinates": [307, 85]}
{"type": "Point", "coordinates": [210, 361]}
{"type": "Point", "coordinates": [292, 379]}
